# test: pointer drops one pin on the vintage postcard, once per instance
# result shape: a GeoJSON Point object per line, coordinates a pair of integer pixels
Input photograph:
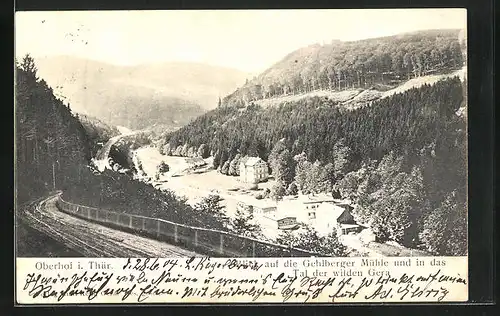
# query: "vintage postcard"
{"type": "Point", "coordinates": [241, 156]}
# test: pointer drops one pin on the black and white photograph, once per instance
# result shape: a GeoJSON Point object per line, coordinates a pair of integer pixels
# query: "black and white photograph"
{"type": "Point", "coordinates": [241, 133]}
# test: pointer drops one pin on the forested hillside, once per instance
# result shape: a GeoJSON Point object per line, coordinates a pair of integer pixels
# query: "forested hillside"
{"type": "Point", "coordinates": [379, 63]}
{"type": "Point", "coordinates": [97, 131]}
{"type": "Point", "coordinates": [404, 122]}
{"type": "Point", "coordinates": [49, 139]}
{"type": "Point", "coordinates": [53, 152]}
{"type": "Point", "coordinates": [402, 159]}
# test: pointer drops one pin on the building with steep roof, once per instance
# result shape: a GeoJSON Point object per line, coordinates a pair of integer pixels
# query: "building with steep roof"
{"type": "Point", "coordinates": [322, 212]}
{"type": "Point", "coordinates": [253, 170]}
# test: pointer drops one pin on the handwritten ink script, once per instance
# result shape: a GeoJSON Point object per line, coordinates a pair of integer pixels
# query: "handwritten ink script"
{"type": "Point", "coordinates": [203, 279]}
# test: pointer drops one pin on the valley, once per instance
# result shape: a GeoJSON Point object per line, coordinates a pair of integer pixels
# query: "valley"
{"type": "Point", "coordinates": [338, 149]}
{"type": "Point", "coordinates": [196, 185]}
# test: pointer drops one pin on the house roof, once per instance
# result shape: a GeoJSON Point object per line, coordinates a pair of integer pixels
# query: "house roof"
{"type": "Point", "coordinates": [195, 160]}
{"type": "Point", "coordinates": [320, 198]}
{"type": "Point", "coordinates": [277, 216]}
{"type": "Point", "coordinates": [251, 161]}
{"type": "Point", "coordinates": [332, 210]}
{"type": "Point", "coordinates": [280, 218]}
{"type": "Point", "coordinates": [346, 206]}
{"type": "Point", "coordinates": [325, 212]}
{"type": "Point", "coordinates": [262, 204]}
{"type": "Point", "coordinates": [349, 225]}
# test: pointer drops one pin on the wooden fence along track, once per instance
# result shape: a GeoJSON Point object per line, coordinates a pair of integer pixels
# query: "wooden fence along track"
{"type": "Point", "coordinates": [202, 240]}
{"type": "Point", "coordinates": [79, 236]}
{"type": "Point", "coordinates": [84, 230]}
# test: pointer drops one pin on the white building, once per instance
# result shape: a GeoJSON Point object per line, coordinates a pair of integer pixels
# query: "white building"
{"type": "Point", "coordinates": [253, 170]}
{"type": "Point", "coordinates": [328, 217]}
{"type": "Point", "coordinates": [266, 214]}
{"type": "Point", "coordinates": [322, 212]}
{"type": "Point", "coordinates": [256, 207]}
{"type": "Point", "coordinates": [277, 220]}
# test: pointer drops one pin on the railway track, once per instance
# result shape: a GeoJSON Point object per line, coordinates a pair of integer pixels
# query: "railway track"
{"type": "Point", "coordinates": [91, 239]}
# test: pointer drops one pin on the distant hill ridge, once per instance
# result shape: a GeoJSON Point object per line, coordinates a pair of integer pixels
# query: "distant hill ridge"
{"type": "Point", "coordinates": [171, 94]}
{"type": "Point", "coordinates": [383, 63]}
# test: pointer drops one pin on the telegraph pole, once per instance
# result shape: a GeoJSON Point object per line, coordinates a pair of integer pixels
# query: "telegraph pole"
{"type": "Point", "coordinates": [54, 175]}
{"type": "Point", "coordinates": [100, 191]}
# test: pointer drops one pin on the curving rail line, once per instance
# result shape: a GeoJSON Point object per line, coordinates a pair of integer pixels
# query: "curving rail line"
{"type": "Point", "coordinates": [91, 239]}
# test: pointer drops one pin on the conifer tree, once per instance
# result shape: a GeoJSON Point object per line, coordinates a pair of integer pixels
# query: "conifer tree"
{"type": "Point", "coordinates": [242, 224]}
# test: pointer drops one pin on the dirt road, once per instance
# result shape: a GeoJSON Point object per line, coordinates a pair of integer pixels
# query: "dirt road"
{"type": "Point", "coordinates": [91, 239]}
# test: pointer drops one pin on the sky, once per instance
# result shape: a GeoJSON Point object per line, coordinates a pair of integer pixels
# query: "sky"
{"type": "Point", "coordinates": [248, 40]}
